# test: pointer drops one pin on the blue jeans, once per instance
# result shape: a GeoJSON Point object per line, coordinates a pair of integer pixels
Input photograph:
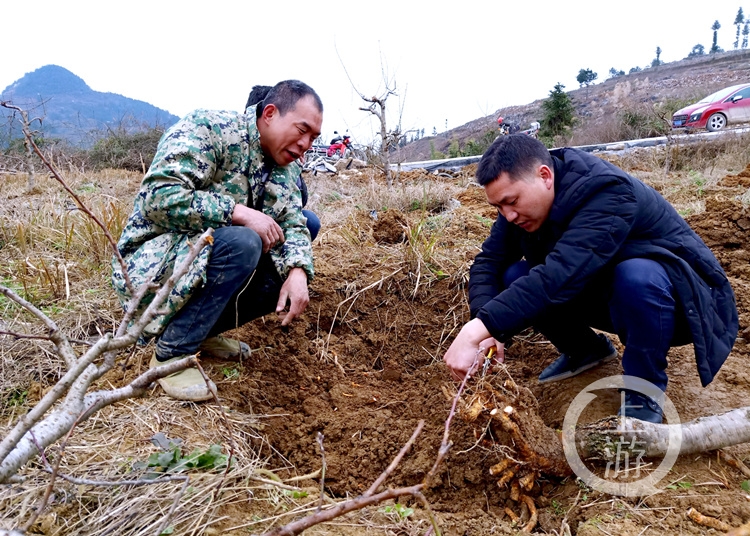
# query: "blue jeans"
{"type": "Point", "coordinates": [241, 284]}
{"type": "Point", "coordinates": [636, 300]}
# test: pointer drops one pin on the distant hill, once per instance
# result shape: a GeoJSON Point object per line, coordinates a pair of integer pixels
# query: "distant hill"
{"type": "Point", "coordinates": [71, 110]}
{"type": "Point", "coordinates": [690, 79]}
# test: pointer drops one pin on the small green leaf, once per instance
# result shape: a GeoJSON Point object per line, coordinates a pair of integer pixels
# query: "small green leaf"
{"type": "Point", "coordinates": [745, 485]}
{"type": "Point", "coordinates": [685, 485]}
{"type": "Point", "coordinates": [165, 459]}
{"type": "Point", "coordinates": [296, 494]}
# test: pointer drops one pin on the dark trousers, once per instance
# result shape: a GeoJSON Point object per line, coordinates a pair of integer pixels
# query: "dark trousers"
{"type": "Point", "coordinates": [313, 223]}
{"type": "Point", "coordinates": [636, 300]}
{"type": "Point", "coordinates": [241, 284]}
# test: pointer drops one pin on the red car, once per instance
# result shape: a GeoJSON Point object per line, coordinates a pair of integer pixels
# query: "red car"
{"type": "Point", "coordinates": [730, 105]}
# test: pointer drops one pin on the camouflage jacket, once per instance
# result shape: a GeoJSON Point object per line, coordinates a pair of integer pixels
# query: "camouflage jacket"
{"type": "Point", "coordinates": [204, 165]}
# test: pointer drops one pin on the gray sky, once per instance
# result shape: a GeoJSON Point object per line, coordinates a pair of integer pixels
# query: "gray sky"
{"type": "Point", "coordinates": [451, 62]}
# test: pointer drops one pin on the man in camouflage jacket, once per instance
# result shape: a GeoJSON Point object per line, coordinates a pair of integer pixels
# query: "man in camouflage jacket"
{"type": "Point", "coordinates": [236, 173]}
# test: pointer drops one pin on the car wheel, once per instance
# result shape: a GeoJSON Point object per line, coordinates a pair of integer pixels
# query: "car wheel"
{"type": "Point", "coordinates": [716, 122]}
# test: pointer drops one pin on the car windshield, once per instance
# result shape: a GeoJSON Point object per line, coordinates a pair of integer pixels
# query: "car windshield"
{"type": "Point", "coordinates": [719, 95]}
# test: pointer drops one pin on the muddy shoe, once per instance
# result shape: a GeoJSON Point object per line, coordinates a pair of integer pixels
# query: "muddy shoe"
{"type": "Point", "coordinates": [186, 384]}
{"type": "Point", "coordinates": [224, 348]}
{"type": "Point", "coordinates": [639, 406]}
{"type": "Point", "coordinates": [566, 367]}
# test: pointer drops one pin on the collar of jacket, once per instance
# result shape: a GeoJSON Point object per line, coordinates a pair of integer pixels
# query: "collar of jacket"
{"type": "Point", "coordinates": [254, 139]}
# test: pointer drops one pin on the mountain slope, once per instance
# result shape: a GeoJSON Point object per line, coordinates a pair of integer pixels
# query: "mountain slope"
{"type": "Point", "coordinates": [690, 79]}
{"type": "Point", "coordinates": [71, 110]}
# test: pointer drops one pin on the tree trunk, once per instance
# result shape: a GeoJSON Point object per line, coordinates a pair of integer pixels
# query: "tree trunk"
{"type": "Point", "coordinates": [700, 435]}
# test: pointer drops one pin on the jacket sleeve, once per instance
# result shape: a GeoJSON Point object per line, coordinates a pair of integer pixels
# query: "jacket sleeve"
{"type": "Point", "coordinates": [596, 231]}
{"type": "Point", "coordinates": [499, 251]}
{"type": "Point", "coordinates": [174, 194]}
{"type": "Point", "coordinates": [283, 201]}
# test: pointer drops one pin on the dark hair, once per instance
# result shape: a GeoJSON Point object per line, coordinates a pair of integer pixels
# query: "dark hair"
{"type": "Point", "coordinates": [283, 95]}
{"type": "Point", "coordinates": [257, 94]}
{"type": "Point", "coordinates": [515, 155]}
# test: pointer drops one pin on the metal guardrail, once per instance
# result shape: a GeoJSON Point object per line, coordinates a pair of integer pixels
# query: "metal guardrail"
{"type": "Point", "coordinates": [453, 164]}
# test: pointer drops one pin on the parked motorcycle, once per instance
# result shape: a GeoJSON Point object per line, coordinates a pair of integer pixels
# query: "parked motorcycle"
{"type": "Point", "coordinates": [339, 146]}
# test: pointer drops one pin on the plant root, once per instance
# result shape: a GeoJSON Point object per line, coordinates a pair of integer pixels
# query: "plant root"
{"type": "Point", "coordinates": [515, 428]}
{"type": "Point", "coordinates": [512, 515]}
{"type": "Point", "coordinates": [707, 521]}
{"type": "Point", "coordinates": [529, 502]}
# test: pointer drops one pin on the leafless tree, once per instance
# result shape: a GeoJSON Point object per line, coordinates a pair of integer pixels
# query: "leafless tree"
{"type": "Point", "coordinates": [28, 138]}
{"type": "Point", "coordinates": [389, 139]}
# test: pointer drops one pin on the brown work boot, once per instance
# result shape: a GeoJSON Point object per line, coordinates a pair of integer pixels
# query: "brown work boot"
{"type": "Point", "coordinates": [224, 348]}
{"type": "Point", "coordinates": [186, 384]}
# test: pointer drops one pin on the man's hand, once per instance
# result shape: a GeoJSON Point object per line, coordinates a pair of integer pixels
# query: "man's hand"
{"type": "Point", "coordinates": [295, 291]}
{"type": "Point", "coordinates": [490, 342]}
{"type": "Point", "coordinates": [266, 227]}
{"type": "Point", "coordinates": [464, 356]}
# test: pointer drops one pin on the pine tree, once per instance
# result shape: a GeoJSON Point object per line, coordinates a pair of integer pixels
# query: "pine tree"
{"type": "Point", "coordinates": [745, 32]}
{"type": "Point", "coordinates": [715, 47]}
{"type": "Point", "coordinates": [656, 62]}
{"type": "Point", "coordinates": [586, 77]}
{"type": "Point", "coordinates": [558, 113]}
{"type": "Point", "coordinates": [738, 21]}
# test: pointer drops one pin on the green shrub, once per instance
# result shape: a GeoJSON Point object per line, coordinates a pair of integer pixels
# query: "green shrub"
{"type": "Point", "coordinates": [122, 149]}
{"type": "Point", "coordinates": [559, 114]}
{"type": "Point", "coordinates": [435, 155]}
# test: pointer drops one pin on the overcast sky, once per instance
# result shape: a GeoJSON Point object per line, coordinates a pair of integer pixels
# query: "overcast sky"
{"type": "Point", "coordinates": [451, 61]}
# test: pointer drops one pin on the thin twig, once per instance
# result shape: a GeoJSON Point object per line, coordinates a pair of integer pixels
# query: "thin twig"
{"type": "Point", "coordinates": [25, 335]}
{"type": "Point", "coordinates": [369, 497]}
{"type": "Point", "coordinates": [115, 483]}
{"type": "Point", "coordinates": [55, 470]}
{"type": "Point", "coordinates": [165, 523]}
{"type": "Point", "coordinates": [385, 474]}
{"type": "Point", "coordinates": [319, 438]}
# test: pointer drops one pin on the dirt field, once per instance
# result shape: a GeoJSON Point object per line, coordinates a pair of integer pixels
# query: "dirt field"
{"type": "Point", "coordinates": [363, 366]}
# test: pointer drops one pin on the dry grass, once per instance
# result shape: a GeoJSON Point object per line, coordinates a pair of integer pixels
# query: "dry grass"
{"type": "Point", "coordinates": [684, 171]}
{"type": "Point", "coordinates": [57, 258]}
{"type": "Point", "coordinates": [333, 197]}
{"type": "Point", "coordinates": [105, 448]}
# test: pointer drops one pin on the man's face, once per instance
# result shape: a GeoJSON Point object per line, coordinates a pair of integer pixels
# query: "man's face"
{"type": "Point", "coordinates": [285, 138]}
{"type": "Point", "coordinates": [526, 202]}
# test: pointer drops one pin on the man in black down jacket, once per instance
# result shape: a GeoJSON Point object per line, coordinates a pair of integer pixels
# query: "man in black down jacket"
{"type": "Point", "coordinates": [582, 244]}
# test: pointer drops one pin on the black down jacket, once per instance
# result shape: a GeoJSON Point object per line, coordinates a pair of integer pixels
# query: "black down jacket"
{"type": "Point", "coordinates": [601, 216]}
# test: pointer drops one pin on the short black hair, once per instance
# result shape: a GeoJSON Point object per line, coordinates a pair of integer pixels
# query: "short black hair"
{"type": "Point", "coordinates": [283, 95]}
{"type": "Point", "coordinates": [515, 155]}
{"type": "Point", "coordinates": [257, 94]}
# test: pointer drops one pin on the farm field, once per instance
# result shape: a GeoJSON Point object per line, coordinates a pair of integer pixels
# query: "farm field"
{"type": "Point", "coordinates": [361, 367]}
